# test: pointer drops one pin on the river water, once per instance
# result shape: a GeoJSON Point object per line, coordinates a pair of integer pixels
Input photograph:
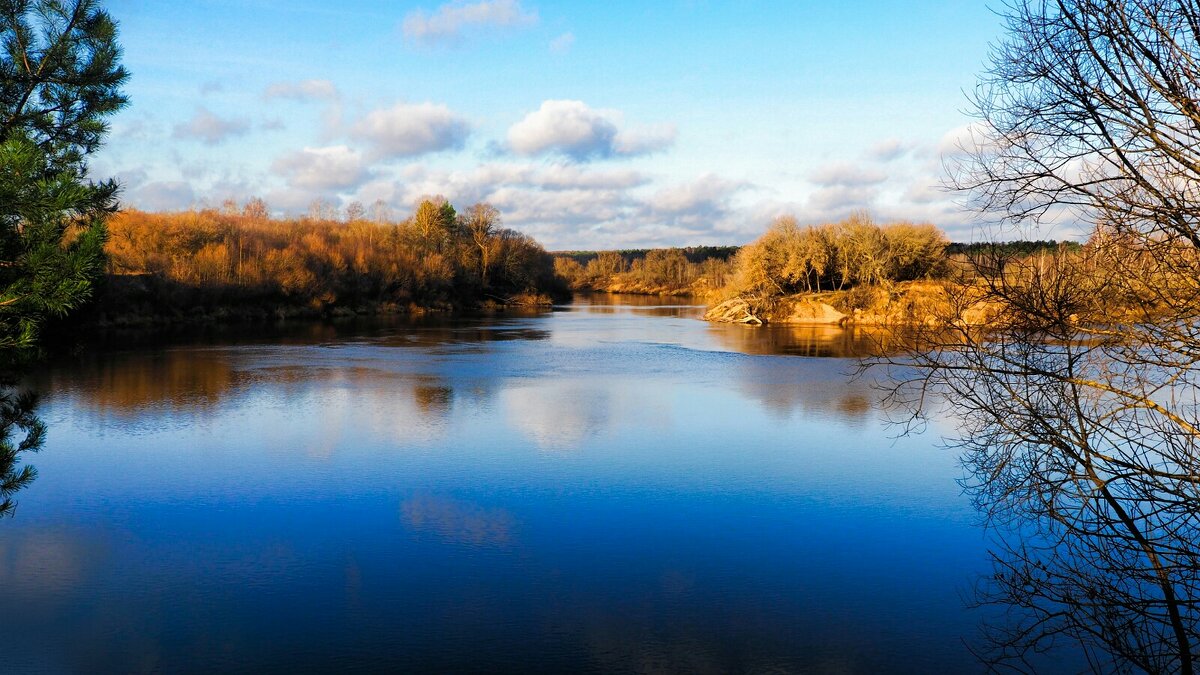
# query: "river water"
{"type": "Point", "coordinates": [613, 486]}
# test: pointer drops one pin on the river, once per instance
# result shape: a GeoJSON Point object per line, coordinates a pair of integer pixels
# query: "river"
{"type": "Point", "coordinates": [612, 486]}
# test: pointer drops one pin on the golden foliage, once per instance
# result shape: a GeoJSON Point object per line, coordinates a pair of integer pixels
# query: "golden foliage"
{"type": "Point", "coordinates": [232, 256]}
{"type": "Point", "coordinates": [790, 259]}
{"type": "Point", "coordinates": [665, 270]}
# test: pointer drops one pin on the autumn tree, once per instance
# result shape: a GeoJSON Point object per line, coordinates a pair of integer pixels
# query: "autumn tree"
{"type": "Point", "coordinates": [789, 258]}
{"type": "Point", "coordinates": [571, 271]}
{"type": "Point", "coordinates": [663, 265]}
{"type": "Point", "coordinates": [208, 259]}
{"type": "Point", "coordinates": [435, 220]}
{"type": "Point", "coordinates": [607, 264]}
{"type": "Point", "coordinates": [915, 251]}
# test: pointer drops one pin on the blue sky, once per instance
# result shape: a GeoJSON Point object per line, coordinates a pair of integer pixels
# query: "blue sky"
{"type": "Point", "coordinates": [590, 125]}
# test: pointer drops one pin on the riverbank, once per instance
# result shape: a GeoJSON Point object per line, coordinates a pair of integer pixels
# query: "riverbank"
{"type": "Point", "coordinates": [902, 304]}
{"type": "Point", "coordinates": [134, 300]}
{"type": "Point", "coordinates": [242, 265]}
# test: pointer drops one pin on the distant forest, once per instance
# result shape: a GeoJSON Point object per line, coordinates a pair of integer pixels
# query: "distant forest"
{"type": "Point", "coordinates": [1011, 248]}
{"type": "Point", "coordinates": [698, 254]}
{"type": "Point", "coordinates": [694, 254]}
{"type": "Point", "coordinates": [707, 270]}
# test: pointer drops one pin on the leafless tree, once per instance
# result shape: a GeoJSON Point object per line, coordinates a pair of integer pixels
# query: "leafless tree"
{"type": "Point", "coordinates": [256, 209]}
{"type": "Point", "coordinates": [481, 222]}
{"type": "Point", "coordinates": [355, 212]}
{"type": "Point", "coordinates": [380, 212]}
{"type": "Point", "coordinates": [1072, 376]}
{"type": "Point", "coordinates": [322, 209]}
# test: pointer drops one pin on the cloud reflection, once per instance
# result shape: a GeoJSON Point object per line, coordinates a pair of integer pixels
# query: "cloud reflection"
{"type": "Point", "coordinates": [559, 414]}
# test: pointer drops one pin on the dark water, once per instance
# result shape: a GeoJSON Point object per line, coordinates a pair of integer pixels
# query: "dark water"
{"type": "Point", "coordinates": [613, 486]}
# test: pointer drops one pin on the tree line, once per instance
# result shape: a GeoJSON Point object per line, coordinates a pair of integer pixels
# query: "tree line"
{"type": "Point", "coordinates": [691, 270]}
{"type": "Point", "coordinates": [789, 259]}
{"type": "Point", "coordinates": [240, 256]}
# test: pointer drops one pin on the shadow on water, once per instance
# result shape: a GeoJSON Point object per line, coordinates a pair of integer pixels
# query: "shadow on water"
{"type": "Point", "coordinates": [596, 301]}
{"type": "Point", "coordinates": [127, 373]}
{"type": "Point", "coordinates": [191, 384]}
{"type": "Point", "coordinates": [422, 330]}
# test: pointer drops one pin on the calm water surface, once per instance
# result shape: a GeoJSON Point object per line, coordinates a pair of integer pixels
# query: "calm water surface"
{"type": "Point", "coordinates": [612, 486]}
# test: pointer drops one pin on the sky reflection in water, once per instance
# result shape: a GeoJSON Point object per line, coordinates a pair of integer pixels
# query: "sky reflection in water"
{"type": "Point", "coordinates": [609, 486]}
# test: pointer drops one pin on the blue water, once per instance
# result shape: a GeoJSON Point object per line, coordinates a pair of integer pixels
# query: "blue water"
{"type": "Point", "coordinates": [610, 486]}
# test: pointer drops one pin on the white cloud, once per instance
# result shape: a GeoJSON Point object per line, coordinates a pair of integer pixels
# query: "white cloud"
{"type": "Point", "coordinates": [701, 209]}
{"type": "Point", "coordinates": [407, 130]}
{"type": "Point", "coordinates": [568, 127]}
{"type": "Point", "coordinates": [963, 140]}
{"type": "Point", "coordinates": [889, 150]}
{"type": "Point", "coordinates": [576, 131]}
{"type": "Point", "coordinates": [837, 201]}
{"type": "Point", "coordinates": [293, 200]}
{"type": "Point", "coordinates": [925, 192]}
{"type": "Point", "coordinates": [321, 169]}
{"type": "Point", "coordinates": [207, 127]}
{"type": "Point", "coordinates": [563, 43]}
{"type": "Point", "coordinates": [516, 188]}
{"type": "Point", "coordinates": [143, 128]}
{"type": "Point", "coordinates": [449, 23]}
{"type": "Point", "coordinates": [304, 90]}
{"type": "Point", "coordinates": [707, 195]}
{"type": "Point", "coordinates": [645, 140]}
{"type": "Point", "coordinates": [578, 206]}
{"type": "Point", "coordinates": [161, 196]}
{"type": "Point", "coordinates": [847, 175]}
{"type": "Point", "coordinates": [559, 176]}
{"type": "Point", "coordinates": [572, 206]}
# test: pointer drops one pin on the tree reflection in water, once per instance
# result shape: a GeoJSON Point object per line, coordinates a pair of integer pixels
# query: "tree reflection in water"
{"type": "Point", "coordinates": [21, 432]}
{"type": "Point", "coordinates": [1086, 468]}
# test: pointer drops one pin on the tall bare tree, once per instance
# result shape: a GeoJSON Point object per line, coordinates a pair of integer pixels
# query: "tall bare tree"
{"type": "Point", "coordinates": [1078, 407]}
{"type": "Point", "coordinates": [481, 222]}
